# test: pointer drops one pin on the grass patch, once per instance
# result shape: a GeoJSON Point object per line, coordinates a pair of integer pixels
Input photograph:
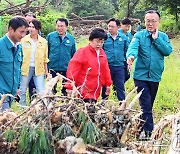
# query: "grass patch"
{"type": "Point", "coordinates": [168, 96]}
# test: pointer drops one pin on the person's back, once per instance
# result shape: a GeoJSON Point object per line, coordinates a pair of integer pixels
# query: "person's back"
{"type": "Point", "coordinates": [138, 27]}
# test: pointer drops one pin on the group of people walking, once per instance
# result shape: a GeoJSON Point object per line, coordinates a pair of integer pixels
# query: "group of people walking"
{"type": "Point", "coordinates": [105, 61]}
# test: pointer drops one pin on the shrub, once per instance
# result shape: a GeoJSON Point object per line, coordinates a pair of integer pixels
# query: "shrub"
{"type": "Point", "coordinates": [48, 22]}
{"type": "Point", "coordinates": [4, 24]}
{"type": "Point", "coordinates": [168, 24]}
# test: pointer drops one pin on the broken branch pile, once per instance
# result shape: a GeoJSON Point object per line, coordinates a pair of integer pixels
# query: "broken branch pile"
{"type": "Point", "coordinates": [84, 25]}
{"type": "Point", "coordinates": [59, 124]}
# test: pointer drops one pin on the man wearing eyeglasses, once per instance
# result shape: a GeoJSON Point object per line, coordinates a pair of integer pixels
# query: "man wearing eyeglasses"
{"type": "Point", "coordinates": [148, 49]}
{"type": "Point", "coordinates": [115, 48]}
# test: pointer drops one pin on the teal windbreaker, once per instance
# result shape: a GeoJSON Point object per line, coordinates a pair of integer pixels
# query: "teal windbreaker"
{"type": "Point", "coordinates": [60, 51]}
{"type": "Point", "coordinates": [10, 67]}
{"type": "Point", "coordinates": [128, 35]}
{"type": "Point", "coordinates": [149, 55]}
{"type": "Point", "coordinates": [116, 49]}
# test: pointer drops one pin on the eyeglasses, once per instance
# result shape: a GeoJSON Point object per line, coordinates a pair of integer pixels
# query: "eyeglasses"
{"type": "Point", "coordinates": [151, 21]}
{"type": "Point", "coordinates": [110, 26]}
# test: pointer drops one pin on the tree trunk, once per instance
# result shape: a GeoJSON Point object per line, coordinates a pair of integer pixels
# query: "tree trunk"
{"type": "Point", "coordinates": [128, 9]}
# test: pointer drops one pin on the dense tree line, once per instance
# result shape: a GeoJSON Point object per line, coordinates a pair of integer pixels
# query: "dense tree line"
{"type": "Point", "coordinates": [169, 9]}
{"type": "Point", "coordinates": [123, 8]}
{"type": "Point", "coordinates": [108, 8]}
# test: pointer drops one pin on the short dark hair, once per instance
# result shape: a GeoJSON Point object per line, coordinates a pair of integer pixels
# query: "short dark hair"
{"type": "Point", "coordinates": [115, 20]}
{"type": "Point", "coordinates": [98, 33]}
{"type": "Point", "coordinates": [30, 14]}
{"type": "Point", "coordinates": [126, 21]}
{"type": "Point", "coordinates": [63, 20]}
{"type": "Point", "coordinates": [17, 21]}
{"type": "Point", "coordinates": [36, 23]}
{"type": "Point", "coordinates": [153, 11]}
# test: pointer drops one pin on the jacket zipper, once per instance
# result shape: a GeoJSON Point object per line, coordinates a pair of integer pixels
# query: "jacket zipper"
{"type": "Point", "coordinates": [98, 74]}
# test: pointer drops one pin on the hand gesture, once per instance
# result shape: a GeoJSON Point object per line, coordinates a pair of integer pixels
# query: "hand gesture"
{"type": "Point", "coordinates": [108, 89]}
{"type": "Point", "coordinates": [155, 34]}
{"type": "Point", "coordinates": [129, 62]}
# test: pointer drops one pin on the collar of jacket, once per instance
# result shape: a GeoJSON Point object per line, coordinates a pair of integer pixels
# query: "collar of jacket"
{"type": "Point", "coordinates": [8, 43]}
{"type": "Point", "coordinates": [27, 38]}
{"type": "Point", "coordinates": [147, 33]}
{"type": "Point", "coordinates": [121, 31]}
{"type": "Point", "coordinates": [118, 35]}
{"type": "Point", "coordinates": [57, 35]}
{"type": "Point", "coordinates": [93, 50]}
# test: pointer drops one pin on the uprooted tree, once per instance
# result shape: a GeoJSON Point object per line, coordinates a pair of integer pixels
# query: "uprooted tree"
{"type": "Point", "coordinates": [22, 8]}
{"type": "Point", "coordinates": [61, 124]}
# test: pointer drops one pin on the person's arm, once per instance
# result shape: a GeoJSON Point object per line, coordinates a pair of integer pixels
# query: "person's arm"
{"type": "Point", "coordinates": [73, 50]}
{"type": "Point", "coordinates": [132, 51]}
{"type": "Point", "coordinates": [47, 39]}
{"type": "Point", "coordinates": [74, 68]}
{"type": "Point", "coordinates": [127, 42]}
{"type": "Point", "coordinates": [46, 60]}
{"type": "Point", "coordinates": [46, 69]}
{"type": "Point", "coordinates": [107, 76]}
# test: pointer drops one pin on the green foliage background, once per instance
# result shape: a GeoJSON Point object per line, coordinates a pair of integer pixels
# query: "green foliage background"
{"type": "Point", "coordinates": [169, 10]}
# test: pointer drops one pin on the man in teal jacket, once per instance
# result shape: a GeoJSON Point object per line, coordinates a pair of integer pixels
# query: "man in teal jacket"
{"type": "Point", "coordinates": [115, 48]}
{"type": "Point", "coordinates": [61, 48]}
{"type": "Point", "coordinates": [125, 26]}
{"type": "Point", "coordinates": [11, 58]}
{"type": "Point", "coordinates": [148, 49]}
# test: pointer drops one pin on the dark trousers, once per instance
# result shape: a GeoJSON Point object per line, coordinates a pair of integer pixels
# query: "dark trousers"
{"type": "Point", "coordinates": [63, 91]}
{"type": "Point", "coordinates": [146, 101]}
{"type": "Point", "coordinates": [118, 78]}
{"type": "Point", "coordinates": [32, 88]}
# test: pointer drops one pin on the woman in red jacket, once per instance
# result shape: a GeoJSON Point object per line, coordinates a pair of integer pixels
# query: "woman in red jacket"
{"type": "Point", "coordinates": [89, 68]}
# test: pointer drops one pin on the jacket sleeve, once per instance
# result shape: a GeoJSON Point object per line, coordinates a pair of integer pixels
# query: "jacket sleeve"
{"type": "Point", "coordinates": [163, 45]}
{"type": "Point", "coordinates": [74, 68]}
{"type": "Point", "coordinates": [133, 47]}
{"type": "Point", "coordinates": [107, 75]}
{"type": "Point", "coordinates": [47, 39]}
{"type": "Point", "coordinates": [19, 82]}
{"type": "Point", "coordinates": [73, 50]}
{"type": "Point", "coordinates": [46, 60]}
{"type": "Point", "coordinates": [126, 45]}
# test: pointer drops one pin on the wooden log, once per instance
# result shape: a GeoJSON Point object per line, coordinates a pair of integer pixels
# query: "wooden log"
{"type": "Point", "coordinates": [175, 137]}
{"type": "Point", "coordinates": [157, 134]}
{"type": "Point", "coordinates": [86, 22]}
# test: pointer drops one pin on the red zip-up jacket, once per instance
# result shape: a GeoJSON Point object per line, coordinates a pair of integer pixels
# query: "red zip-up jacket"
{"type": "Point", "coordinates": [89, 71]}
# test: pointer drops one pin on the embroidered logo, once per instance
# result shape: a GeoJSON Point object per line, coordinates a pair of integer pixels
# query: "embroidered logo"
{"type": "Point", "coordinates": [67, 41]}
{"type": "Point", "coordinates": [134, 39]}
